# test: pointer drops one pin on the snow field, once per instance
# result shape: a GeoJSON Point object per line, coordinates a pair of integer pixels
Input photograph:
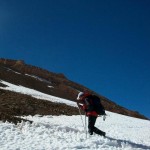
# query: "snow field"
{"type": "Point", "coordinates": [67, 133]}
{"type": "Point", "coordinates": [36, 94]}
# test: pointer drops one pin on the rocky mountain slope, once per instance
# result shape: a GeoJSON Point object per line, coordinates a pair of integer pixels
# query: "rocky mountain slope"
{"type": "Point", "coordinates": [19, 73]}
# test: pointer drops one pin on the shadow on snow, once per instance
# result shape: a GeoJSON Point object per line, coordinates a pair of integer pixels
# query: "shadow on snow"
{"type": "Point", "coordinates": [134, 145]}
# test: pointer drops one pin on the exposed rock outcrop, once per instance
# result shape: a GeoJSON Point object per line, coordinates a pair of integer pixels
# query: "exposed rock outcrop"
{"type": "Point", "coordinates": [19, 73]}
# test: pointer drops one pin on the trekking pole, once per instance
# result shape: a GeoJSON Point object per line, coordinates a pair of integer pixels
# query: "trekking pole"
{"type": "Point", "coordinates": [84, 126]}
{"type": "Point", "coordinates": [81, 117]}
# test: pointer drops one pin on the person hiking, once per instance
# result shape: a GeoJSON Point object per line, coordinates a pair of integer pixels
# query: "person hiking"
{"type": "Point", "coordinates": [84, 102]}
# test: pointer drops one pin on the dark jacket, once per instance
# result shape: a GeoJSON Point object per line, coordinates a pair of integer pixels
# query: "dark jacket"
{"type": "Point", "coordinates": [85, 104]}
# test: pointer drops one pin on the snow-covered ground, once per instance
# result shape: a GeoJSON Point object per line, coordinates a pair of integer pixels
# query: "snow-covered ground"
{"type": "Point", "coordinates": [35, 94]}
{"type": "Point", "coordinates": [67, 132]}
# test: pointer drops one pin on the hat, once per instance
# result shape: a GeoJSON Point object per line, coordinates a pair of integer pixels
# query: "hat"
{"type": "Point", "coordinates": [79, 95]}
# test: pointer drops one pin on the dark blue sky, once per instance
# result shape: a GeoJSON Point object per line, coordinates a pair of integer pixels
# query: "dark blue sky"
{"type": "Point", "coordinates": [104, 45]}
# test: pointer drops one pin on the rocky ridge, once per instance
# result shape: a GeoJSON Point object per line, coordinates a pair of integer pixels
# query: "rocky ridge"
{"type": "Point", "coordinates": [19, 73]}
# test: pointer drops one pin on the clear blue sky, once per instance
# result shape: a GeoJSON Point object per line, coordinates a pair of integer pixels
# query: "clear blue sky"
{"type": "Point", "coordinates": [103, 45]}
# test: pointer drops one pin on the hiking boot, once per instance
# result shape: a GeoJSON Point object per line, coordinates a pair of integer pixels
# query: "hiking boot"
{"type": "Point", "coordinates": [103, 134]}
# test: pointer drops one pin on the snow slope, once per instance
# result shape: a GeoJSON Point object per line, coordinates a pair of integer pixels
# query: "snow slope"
{"type": "Point", "coordinates": [35, 94]}
{"type": "Point", "coordinates": [67, 132]}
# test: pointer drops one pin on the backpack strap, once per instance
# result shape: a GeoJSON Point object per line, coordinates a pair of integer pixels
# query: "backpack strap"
{"type": "Point", "coordinates": [88, 103]}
